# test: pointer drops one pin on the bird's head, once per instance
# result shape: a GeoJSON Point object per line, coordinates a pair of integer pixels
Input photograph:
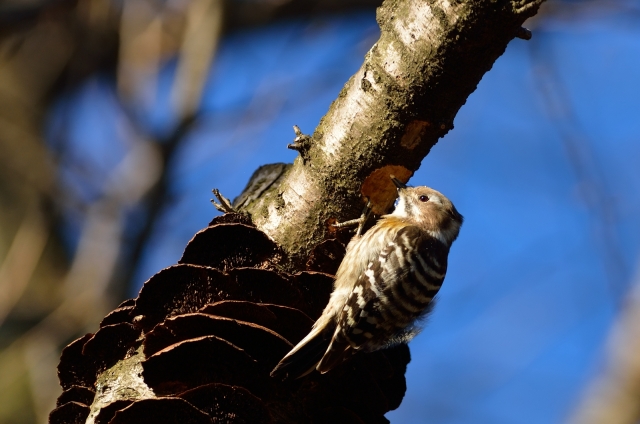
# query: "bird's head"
{"type": "Point", "coordinates": [428, 209]}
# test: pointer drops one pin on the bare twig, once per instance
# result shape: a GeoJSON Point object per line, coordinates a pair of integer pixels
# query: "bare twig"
{"type": "Point", "coordinates": [225, 204]}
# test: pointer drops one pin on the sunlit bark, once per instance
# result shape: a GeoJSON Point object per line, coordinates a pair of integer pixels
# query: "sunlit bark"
{"type": "Point", "coordinates": [430, 57]}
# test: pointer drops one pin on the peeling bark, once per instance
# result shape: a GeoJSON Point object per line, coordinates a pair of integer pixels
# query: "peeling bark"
{"type": "Point", "coordinates": [430, 57]}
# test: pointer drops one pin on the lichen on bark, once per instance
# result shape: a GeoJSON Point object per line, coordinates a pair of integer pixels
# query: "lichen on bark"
{"type": "Point", "coordinates": [122, 381]}
{"type": "Point", "coordinates": [430, 57]}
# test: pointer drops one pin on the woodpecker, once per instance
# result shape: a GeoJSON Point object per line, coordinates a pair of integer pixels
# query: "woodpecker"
{"type": "Point", "coordinates": [384, 285]}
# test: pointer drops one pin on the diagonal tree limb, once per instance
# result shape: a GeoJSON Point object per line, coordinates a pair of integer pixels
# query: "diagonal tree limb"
{"type": "Point", "coordinates": [430, 57]}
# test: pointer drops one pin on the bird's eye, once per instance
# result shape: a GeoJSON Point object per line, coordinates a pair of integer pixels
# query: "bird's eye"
{"type": "Point", "coordinates": [423, 198]}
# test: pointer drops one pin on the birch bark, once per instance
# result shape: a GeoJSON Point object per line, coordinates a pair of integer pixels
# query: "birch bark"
{"type": "Point", "coordinates": [430, 57]}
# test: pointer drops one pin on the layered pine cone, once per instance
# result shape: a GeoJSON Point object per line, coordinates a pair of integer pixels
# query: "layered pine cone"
{"type": "Point", "coordinates": [199, 341]}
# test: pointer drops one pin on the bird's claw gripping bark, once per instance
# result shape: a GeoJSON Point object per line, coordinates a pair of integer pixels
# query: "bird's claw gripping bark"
{"type": "Point", "coordinates": [359, 221]}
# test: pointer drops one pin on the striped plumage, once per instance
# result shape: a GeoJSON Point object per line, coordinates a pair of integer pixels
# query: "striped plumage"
{"type": "Point", "coordinates": [385, 283]}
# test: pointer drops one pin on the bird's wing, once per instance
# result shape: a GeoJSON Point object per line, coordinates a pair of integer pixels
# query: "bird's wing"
{"type": "Point", "coordinates": [390, 294]}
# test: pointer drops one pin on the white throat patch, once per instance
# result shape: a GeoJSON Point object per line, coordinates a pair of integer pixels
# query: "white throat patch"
{"type": "Point", "coordinates": [401, 208]}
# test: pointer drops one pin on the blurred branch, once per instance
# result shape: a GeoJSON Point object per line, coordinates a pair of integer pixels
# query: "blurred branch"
{"type": "Point", "coordinates": [22, 258]}
{"type": "Point", "coordinates": [140, 50]}
{"type": "Point", "coordinates": [239, 14]}
{"type": "Point", "coordinates": [573, 11]}
{"type": "Point", "coordinates": [590, 176]}
{"type": "Point", "coordinates": [199, 45]}
{"type": "Point", "coordinates": [153, 201]}
{"type": "Point", "coordinates": [614, 397]}
{"type": "Point", "coordinates": [198, 48]}
{"type": "Point", "coordinates": [86, 298]}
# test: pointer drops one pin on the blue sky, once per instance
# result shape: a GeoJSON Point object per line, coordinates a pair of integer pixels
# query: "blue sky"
{"type": "Point", "coordinates": [542, 163]}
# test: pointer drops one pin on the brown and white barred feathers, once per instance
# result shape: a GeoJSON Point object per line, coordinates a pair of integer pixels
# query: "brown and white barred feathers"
{"type": "Point", "coordinates": [386, 281]}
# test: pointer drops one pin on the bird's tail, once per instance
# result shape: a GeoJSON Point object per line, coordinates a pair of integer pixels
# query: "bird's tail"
{"type": "Point", "coordinates": [304, 357]}
{"type": "Point", "coordinates": [339, 350]}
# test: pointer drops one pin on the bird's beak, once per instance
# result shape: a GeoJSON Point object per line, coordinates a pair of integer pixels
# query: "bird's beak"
{"type": "Point", "coordinates": [399, 184]}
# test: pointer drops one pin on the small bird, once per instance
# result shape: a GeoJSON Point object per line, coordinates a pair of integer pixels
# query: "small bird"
{"type": "Point", "coordinates": [384, 284]}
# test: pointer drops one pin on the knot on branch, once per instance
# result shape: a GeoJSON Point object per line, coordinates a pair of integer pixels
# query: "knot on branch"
{"type": "Point", "coordinates": [301, 143]}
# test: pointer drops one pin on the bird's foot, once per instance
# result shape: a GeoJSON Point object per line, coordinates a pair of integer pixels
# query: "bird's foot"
{"type": "Point", "coordinates": [358, 221]}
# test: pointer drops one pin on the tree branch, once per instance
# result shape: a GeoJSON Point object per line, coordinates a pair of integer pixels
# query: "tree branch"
{"type": "Point", "coordinates": [430, 57]}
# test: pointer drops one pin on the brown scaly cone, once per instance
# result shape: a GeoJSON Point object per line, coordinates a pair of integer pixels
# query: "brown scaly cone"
{"type": "Point", "coordinates": [199, 341]}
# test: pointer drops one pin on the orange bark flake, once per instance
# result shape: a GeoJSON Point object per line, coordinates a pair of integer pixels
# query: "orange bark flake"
{"type": "Point", "coordinates": [378, 187]}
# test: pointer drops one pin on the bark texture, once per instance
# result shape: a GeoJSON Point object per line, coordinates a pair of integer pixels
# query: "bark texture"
{"type": "Point", "coordinates": [430, 57]}
{"type": "Point", "coordinates": [198, 343]}
{"type": "Point", "coordinates": [200, 339]}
